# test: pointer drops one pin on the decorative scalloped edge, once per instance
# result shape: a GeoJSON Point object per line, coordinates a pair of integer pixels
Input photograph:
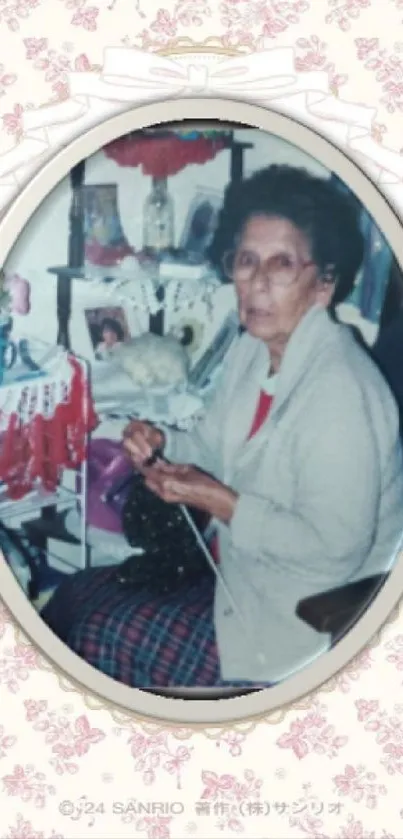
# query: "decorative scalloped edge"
{"type": "Point", "coordinates": [212, 731]}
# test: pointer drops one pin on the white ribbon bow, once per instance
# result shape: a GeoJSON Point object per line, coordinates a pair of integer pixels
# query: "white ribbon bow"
{"type": "Point", "coordinates": [131, 75]}
{"type": "Point", "coordinates": [257, 74]}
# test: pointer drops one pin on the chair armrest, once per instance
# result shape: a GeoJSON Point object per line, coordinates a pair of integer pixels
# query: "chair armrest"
{"type": "Point", "coordinates": [335, 610]}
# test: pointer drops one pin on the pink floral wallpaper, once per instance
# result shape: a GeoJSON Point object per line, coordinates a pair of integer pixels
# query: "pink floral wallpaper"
{"type": "Point", "coordinates": [331, 765]}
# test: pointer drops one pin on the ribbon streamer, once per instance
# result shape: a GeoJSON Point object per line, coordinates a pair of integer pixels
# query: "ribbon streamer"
{"type": "Point", "coordinates": [132, 76]}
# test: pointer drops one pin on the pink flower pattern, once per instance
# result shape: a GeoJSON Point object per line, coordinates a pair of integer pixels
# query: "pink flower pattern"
{"type": "Point", "coordinates": [83, 15]}
{"type": "Point", "coordinates": [86, 17]}
{"type": "Point", "coordinates": [388, 69]}
{"type": "Point", "coordinates": [388, 731]}
{"type": "Point", "coordinates": [344, 11]}
{"type": "Point", "coordinates": [307, 810]}
{"type": "Point", "coordinates": [23, 830]}
{"type": "Point", "coordinates": [54, 65]}
{"type": "Point", "coordinates": [395, 655]}
{"type": "Point", "coordinates": [166, 24]}
{"type": "Point", "coordinates": [354, 829]}
{"type": "Point", "coordinates": [233, 741]}
{"type": "Point", "coordinates": [229, 788]}
{"type": "Point", "coordinates": [155, 751]}
{"type": "Point", "coordinates": [6, 79]}
{"type": "Point", "coordinates": [312, 734]}
{"type": "Point", "coordinates": [6, 742]}
{"type": "Point", "coordinates": [14, 12]}
{"type": "Point", "coordinates": [314, 57]}
{"type": "Point", "coordinates": [360, 785]}
{"type": "Point", "coordinates": [28, 785]}
{"type": "Point", "coordinates": [68, 739]}
{"type": "Point", "coordinates": [270, 18]}
{"type": "Point", "coordinates": [231, 792]}
{"type": "Point", "coordinates": [246, 22]}
{"type": "Point", "coordinates": [16, 664]}
{"type": "Point", "coordinates": [155, 827]}
{"type": "Point", "coordinates": [352, 672]}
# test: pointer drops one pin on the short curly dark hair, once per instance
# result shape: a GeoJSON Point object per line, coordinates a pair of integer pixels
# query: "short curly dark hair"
{"type": "Point", "coordinates": [113, 325]}
{"type": "Point", "coordinates": [328, 217]}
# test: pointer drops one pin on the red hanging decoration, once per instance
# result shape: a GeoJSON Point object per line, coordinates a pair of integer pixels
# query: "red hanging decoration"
{"type": "Point", "coordinates": [164, 156]}
{"type": "Point", "coordinates": [49, 439]}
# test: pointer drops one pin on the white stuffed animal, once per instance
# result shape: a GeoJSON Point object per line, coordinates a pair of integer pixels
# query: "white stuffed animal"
{"type": "Point", "coordinates": [153, 360]}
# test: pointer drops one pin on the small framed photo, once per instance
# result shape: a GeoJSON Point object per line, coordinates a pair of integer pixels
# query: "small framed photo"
{"type": "Point", "coordinates": [201, 221]}
{"type": "Point", "coordinates": [107, 327]}
{"type": "Point", "coordinates": [102, 223]}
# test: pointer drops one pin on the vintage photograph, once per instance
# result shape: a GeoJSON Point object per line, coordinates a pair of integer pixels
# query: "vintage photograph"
{"type": "Point", "coordinates": [108, 329]}
{"type": "Point", "coordinates": [236, 530]}
{"type": "Point", "coordinates": [104, 239]}
{"type": "Point", "coordinates": [201, 222]}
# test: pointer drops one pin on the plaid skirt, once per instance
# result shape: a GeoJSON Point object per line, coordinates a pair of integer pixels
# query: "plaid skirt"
{"type": "Point", "coordinates": [139, 639]}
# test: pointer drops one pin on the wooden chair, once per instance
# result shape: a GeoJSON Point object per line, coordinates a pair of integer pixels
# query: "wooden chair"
{"type": "Point", "coordinates": [335, 611]}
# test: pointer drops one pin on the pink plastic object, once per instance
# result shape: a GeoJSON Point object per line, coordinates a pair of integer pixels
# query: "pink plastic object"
{"type": "Point", "coordinates": [20, 293]}
{"type": "Point", "coordinates": [108, 467]}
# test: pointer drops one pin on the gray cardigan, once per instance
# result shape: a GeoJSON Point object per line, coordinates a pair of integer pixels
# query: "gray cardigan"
{"type": "Point", "coordinates": [320, 489]}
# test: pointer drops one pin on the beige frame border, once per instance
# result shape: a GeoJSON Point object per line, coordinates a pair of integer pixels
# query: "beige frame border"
{"type": "Point", "coordinates": [256, 705]}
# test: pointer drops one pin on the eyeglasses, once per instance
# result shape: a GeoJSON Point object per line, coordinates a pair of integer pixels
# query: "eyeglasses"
{"type": "Point", "coordinates": [281, 270]}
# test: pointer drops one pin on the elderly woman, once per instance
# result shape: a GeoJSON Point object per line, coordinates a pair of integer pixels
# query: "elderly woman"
{"type": "Point", "coordinates": [297, 460]}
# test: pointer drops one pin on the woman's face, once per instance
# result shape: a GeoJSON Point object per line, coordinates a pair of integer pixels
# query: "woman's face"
{"type": "Point", "coordinates": [268, 308]}
{"type": "Point", "coordinates": [109, 337]}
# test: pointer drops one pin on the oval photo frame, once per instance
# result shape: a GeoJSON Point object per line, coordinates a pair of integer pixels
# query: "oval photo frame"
{"type": "Point", "coordinates": [173, 708]}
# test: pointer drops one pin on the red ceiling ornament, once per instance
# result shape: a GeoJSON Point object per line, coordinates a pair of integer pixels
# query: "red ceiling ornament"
{"type": "Point", "coordinates": [164, 155]}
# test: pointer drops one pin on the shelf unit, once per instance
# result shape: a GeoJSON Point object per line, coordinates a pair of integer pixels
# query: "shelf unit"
{"type": "Point", "coordinates": [41, 509]}
{"type": "Point", "coordinates": [74, 269]}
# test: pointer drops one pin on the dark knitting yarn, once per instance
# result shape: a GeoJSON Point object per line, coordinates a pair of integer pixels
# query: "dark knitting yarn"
{"type": "Point", "coordinates": [172, 558]}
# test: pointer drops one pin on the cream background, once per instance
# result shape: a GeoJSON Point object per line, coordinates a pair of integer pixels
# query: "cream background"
{"type": "Point", "coordinates": [347, 739]}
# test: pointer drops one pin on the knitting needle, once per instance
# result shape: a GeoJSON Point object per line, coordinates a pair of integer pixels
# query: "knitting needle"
{"type": "Point", "coordinates": [210, 560]}
{"type": "Point", "coordinates": [158, 455]}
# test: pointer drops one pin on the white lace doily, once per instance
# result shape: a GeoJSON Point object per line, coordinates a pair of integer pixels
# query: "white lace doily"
{"type": "Point", "coordinates": [26, 394]}
{"type": "Point", "coordinates": [138, 287]}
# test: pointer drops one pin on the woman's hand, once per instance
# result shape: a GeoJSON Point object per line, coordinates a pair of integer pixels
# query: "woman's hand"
{"type": "Point", "coordinates": [179, 484]}
{"type": "Point", "coordinates": [141, 440]}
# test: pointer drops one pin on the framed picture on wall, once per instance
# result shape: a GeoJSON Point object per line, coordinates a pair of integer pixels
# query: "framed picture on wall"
{"type": "Point", "coordinates": [99, 322]}
{"type": "Point", "coordinates": [201, 221]}
{"type": "Point", "coordinates": [105, 242]}
{"type": "Point", "coordinates": [108, 327]}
